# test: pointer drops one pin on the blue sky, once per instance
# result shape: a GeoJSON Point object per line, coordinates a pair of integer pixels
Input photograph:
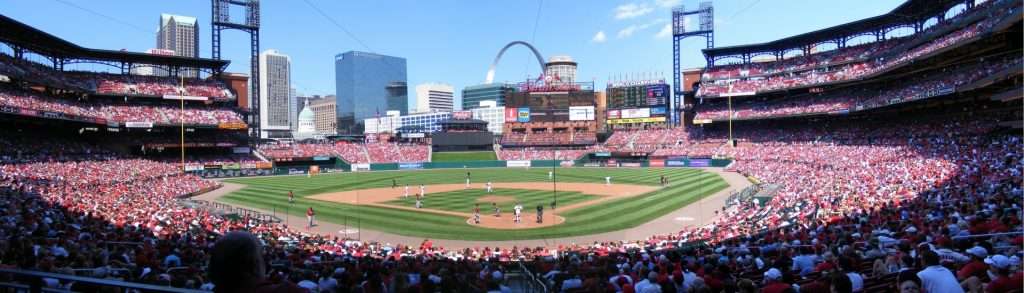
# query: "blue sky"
{"type": "Point", "coordinates": [446, 40]}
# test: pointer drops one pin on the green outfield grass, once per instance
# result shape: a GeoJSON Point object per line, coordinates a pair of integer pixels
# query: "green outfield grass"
{"type": "Point", "coordinates": [465, 200]}
{"type": "Point", "coordinates": [687, 186]}
{"type": "Point", "coordinates": [463, 156]}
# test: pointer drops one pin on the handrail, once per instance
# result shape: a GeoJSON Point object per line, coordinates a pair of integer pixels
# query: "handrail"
{"type": "Point", "coordinates": [37, 286]}
{"type": "Point", "coordinates": [533, 277]}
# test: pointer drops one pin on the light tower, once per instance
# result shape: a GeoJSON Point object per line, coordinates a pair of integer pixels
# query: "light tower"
{"type": "Point", "coordinates": [705, 29]}
{"type": "Point", "coordinates": [221, 20]}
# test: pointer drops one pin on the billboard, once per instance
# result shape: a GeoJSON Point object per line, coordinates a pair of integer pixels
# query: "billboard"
{"type": "Point", "coordinates": [636, 120]}
{"type": "Point", "coordinates": [410, 166]}
{"type": "Point", "coordinates": [636, 113]}
{"type": "Point", "coordinates": [523, 115]}
{"type": "Point", "coordinates": [515, 164]}
{"type": "Point", "coordinates": [614, 114]}
{"type": "Point", "coordinates": [462, 115]}
{"type": "Point", "coordinates": [581, 113]}
{"type": "Point", "coordinates": [511, 114]}
{"type": "Point", "coordinates": [658, 111]}
{"type": "Point", "coordinates": [638, 94]}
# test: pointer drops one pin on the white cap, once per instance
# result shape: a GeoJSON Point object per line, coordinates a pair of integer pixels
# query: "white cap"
{"type": "Point", "coordinates": [978, 251]}
{"type": "Point", "coordinates": [773, 274]}
{"type": "Point", "coordinates": [998, 261]}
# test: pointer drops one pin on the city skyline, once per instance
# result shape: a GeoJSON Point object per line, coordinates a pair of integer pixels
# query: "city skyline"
{"type": "Point", "coordinates": [606, 38]}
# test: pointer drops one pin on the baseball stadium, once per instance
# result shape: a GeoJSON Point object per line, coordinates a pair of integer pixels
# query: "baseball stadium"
{"type": "Point", "coordinates": [880, 154]}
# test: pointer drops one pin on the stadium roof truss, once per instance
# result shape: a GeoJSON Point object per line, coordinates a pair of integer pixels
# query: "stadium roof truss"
{"type": "Point", "coordinates": [911, 14]}
{"type": "Point", "coordinates": [22, 37]}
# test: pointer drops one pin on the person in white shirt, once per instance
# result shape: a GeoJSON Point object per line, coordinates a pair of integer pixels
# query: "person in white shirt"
{"type": "Point", "coordinates": [608, 181]}
{"type": "Point", "coordinates": [488, 187]}
{"type": "Point", "coordinates": [935, 278]}
{"type": "Point", "coordinates": [423, 190]}
{"type": "Point", "coordinates": [407, 191]}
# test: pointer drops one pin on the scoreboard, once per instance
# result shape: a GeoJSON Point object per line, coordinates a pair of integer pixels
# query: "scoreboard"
{"type": "Point", "coordinates": [638, 96]}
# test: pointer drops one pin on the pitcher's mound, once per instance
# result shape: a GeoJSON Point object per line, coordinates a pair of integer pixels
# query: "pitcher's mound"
{"type": "Point", "coordinates": [495, 199]}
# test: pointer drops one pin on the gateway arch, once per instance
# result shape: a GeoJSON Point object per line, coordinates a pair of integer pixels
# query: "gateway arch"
{"type": "Point", "coordinates": [540, 59]}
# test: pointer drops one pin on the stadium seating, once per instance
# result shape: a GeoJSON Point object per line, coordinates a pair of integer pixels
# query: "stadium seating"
{"type": "Point", "coordinates": [120, 113]}
{"type": "Point", "coordinates": [351, 152]}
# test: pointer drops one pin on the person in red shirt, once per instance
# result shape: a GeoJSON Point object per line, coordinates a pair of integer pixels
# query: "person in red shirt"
{"type": "Point", "coordinates": [309, 216]}
{"type": "Point", "coordinates": [999, 265]}
{"type": "Point", "coordinates": [976, 267]}
{"type": "Point", "coordinates": [773, 282]}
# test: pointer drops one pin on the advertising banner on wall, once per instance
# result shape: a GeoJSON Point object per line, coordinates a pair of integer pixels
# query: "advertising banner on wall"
{"type": "Point", "coordinates": [134, 124]}
{"type": "Point", "coordinates": [360, 167]}
{"type": "Point", "coordinates": [636, 120]}
{"type": "Point", "coordinates": [700, 162]}
{"type": "Point", "coordinates": [614, 114]}
{"type": "Point", "coordinates": [631, 165]}
{"type": "Point", "coordinates": [523, 115]}
{"type": "Point", "coordinates": [636, 113]}
{"type": "Point", "coordinates": [657, 163]}
{"type": "Point", "coordinates": [410, 166]}
{"type": "Point", "coordinates": [566, 164]}
{"type": "Point", "coordinates": [675, 163]}
{"type": "Point", "coordinates": [581, 113]}
{"type": "Point", "coordinates": [511, 114]}
{"type": "Point", "coordinates": [658, 111]}
{"type": "Point", "coordinates": [517, 164]}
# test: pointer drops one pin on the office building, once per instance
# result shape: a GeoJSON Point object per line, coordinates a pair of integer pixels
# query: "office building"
{"type": "Point", "coordinates": [181, 35]}
{"type": "Point", "coordinates": [361, 82]}
{"type": "Point", "coordinates": [324, 118]}
{"type": "Point", "coordinates": [398, 97]}
{"type": "Point", "coordinates": [497, 92]}
{"type": "Point", "coordinates": [495, 116]}
{"type": "Point", "coordinates": [275, 84]}
{"type": "Point", "coordinates": [435, 97]}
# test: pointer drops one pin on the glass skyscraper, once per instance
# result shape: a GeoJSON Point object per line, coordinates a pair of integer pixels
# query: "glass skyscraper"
{"type": "Point", "coordinates": [497, 92]}
{"type": "Point", "coordinates": [367, 85]}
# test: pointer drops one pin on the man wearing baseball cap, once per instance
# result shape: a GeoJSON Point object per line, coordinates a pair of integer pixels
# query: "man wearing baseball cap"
{"type": "Point", "coordinates": [1003, 281]}
{"type": "Point", "coordinates": [974, 267]}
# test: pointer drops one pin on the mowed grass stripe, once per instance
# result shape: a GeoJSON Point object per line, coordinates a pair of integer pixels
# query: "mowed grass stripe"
{"type": "Point", "coordinates": [271, 192]}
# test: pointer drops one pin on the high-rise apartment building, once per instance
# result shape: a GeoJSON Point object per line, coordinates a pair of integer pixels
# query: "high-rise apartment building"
{"type": "Point", "coordinates": [275, 84]}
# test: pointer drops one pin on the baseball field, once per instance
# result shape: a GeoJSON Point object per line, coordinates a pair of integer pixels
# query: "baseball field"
{"type": "Point", "coordinates": [585, 202]}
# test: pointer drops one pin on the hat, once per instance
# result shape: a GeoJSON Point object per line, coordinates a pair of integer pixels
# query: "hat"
{"type": "Point", "coordinates": [998, 261]}
{"type": "Point", "coordinates": [773, 274]}
{"type": "Point", "coordinates": [496, 275]}
{"type": "Point", "coordinates": [978, 251]}
{"type": "Point", "coordinates": [910, 229]}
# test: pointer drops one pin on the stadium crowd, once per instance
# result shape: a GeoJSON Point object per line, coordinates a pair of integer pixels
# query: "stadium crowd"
{"type": "Point", "coordinates": [356, 153]}
{"type": "Point", "coordinates": [111, 84]}
{"type": "Point", "coordinates": [986, 17]}
{"type": "Point", "coordinates": [116, 112]}
{"type": "Point", "coordinates": [921, 85]}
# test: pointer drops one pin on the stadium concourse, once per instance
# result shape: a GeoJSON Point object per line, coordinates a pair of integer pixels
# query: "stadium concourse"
{"type": "Point", "coordinates": [904, 171]}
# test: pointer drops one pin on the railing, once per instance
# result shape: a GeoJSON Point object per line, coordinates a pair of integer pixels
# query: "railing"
{"type": "Point", "coordinates": [539, 284]}
{"type": "Point", "coordinates": [36, 283]}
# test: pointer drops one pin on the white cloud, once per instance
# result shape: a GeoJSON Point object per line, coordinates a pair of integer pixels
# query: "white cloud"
{"type": "Point", "coordinates": [666, 31]}
{"type": "Point", "coordinates": [599, 37]}
{"type": "Point", "coordinates": [631, 10]}
{"type": "Point", "coordinates": [668, 3]}
{"type": "Point", "coordinates": [628, 31]}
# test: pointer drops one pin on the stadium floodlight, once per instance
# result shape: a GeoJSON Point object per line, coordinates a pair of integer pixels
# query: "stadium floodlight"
{"type": "Point", "coordinates": [706, 28]}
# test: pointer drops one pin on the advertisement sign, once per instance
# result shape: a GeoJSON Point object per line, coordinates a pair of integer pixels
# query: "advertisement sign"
{"type": "Point", "coordinates": [636, 113]}
{"type": "Point", "coordinates": [566, 164]}
{"type": "Point", "coordinates": [636, 120]}
{"type": "Point", "coordinates": [614, 114]}
{"type": "Point", "coordinates": [583, 113]}
{"type": "Point", "coordinates": [413, 135]}
{"type": "Point", "coordinates": [240, 150]}
{"type": "Point", "coordinates": [675, 163]}
{"type": "Point", "coordinates": [612, 162]}
{"type": "Point", "coordinates": [700, 162]}
{"type": "Point", "coordinates": [636, 82]}
{"type": "Point", "coordinates": [232, 166]}
{"type": "Point", "coordinates": [410, 166]}
{"type": "Point", "coordinates": [193, 167]}
{"type": "Point", "coordinates": [249, 165]}
{"type": "Point", "coordinates": [517, 164]}
{"type": "Point", "coordinates": [187, 98]}
{"type": "Point", "coordinates": [462, 115]}
{"type": "Point", "coordinates": [591, 165]}
{"type": "Point", "coordinates": [658, 111]}
{"type": "Point", "coordinates": [523, 115]}
{"type": "Point", "coordinates": [603, 154]}
{"type": "Point", "coordinates": [657, 163]}
{"type": "Point", "coordinates": [360, 167]}
{"type": "Point", "coordinates": [133, 124]}
{"type": "Point", "coordinates": [295, 171]}
{"type": "Point", "coordinates": [232, 125]}
{"type": "Point", "coordinates": [264, 165]}
{"type": "Point", "coordinates": [511, 114]}
{"type": "Point", "coordinates": [6, 109]}
{"type": "Point", "coordinates": [321, 158]}
{"type": "Point", "coordinates": [631, 165]}
{"type": "Point", "coordinates": [657, 94]}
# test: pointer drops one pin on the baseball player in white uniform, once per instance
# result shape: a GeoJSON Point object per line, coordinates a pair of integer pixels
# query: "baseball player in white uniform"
{"type": "Point", "coordinates": [488, 187]}
{"type": "Point", "coordinates": [423, 190]}
{"type": "Point", "coordinates": [407, 191]}
{"type": "Point", "coordinates": [518, 209]}
{"type": "Point", "coordinates": [551, 175]}
{"type": "Point", "coordinates": [607, 180]}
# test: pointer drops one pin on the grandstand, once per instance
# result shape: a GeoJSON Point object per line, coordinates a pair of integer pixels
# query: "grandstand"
{"type": "Point", "coordinates": [892, 163]}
